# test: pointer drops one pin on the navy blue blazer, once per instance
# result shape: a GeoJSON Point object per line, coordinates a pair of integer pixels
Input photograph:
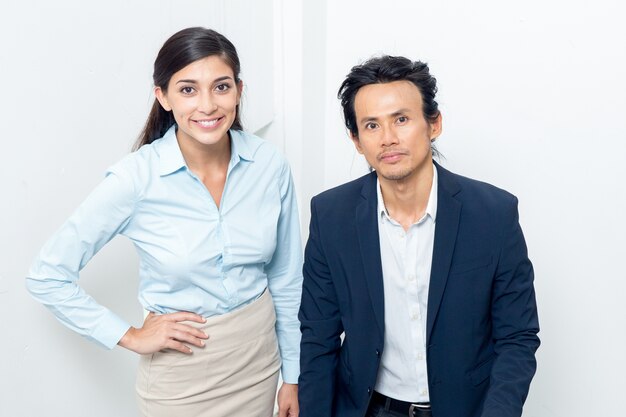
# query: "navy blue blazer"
{"type": "Point", "coordinates": [482, 317]}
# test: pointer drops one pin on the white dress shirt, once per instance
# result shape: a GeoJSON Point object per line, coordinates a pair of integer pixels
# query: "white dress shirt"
{"type": "Point", "coordinates": [406, 261]}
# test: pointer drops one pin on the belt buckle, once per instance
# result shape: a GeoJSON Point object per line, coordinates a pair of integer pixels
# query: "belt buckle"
{"type": "Point", "coordinates": [414, 407]}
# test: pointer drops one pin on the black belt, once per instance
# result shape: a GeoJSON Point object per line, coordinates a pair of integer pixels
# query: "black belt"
{"type": "Point", "coordinates": [402, 407]}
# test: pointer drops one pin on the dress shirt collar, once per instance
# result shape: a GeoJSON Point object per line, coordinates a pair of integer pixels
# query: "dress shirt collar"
{"type": "Point", "coordinates": [431, 207]}
{"type": "Point", "coordinates": [171, 158]}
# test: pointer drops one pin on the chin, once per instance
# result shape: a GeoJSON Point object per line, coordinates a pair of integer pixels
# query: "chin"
{"type": "Point", "coordinates": [210, 139]}
{"type": "Point", "coordinates": [395, 175]}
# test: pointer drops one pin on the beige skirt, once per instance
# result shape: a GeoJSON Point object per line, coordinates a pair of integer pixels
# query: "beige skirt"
{"type": "Point", "coordinates": [236, 373]}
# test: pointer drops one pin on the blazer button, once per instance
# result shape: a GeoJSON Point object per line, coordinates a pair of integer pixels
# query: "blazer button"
{"type": "Point", "coordinates": [369, 390]}
{"type": "Point", "coordinates": [377, 352]}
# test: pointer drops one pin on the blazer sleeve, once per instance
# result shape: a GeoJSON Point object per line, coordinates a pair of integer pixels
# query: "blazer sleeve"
{"type": "Point", "coordinates": [321, 326]}
{"type": "Point", "coordinates": [515, 323]}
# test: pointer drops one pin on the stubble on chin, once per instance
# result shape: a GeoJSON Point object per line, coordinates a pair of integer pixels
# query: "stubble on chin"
{"type": "Point", "coordinates": [395, 175]}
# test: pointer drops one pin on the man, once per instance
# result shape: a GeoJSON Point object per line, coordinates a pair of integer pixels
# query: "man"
{"type": "Point", "coordinates": [425, 272]}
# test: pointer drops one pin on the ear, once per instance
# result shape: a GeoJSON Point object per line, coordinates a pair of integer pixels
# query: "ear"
{"type": "Point", "coordinates": [357, 143]}
{"type": "Point", "coordinates": [435, 128]}
{"type": "Point", "coordinates": [161, 96]}
{"type": "Point", "coordinates": [239, 91]}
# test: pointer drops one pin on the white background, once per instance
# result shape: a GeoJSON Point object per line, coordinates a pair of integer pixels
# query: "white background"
{"type": "Point", "coordinates": [534, 101]}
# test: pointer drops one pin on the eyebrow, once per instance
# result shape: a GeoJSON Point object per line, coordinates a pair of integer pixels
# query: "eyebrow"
{"type": "Point", "coordinates": [225, 77]}
{"type": "Point", "coordinates": [375, 118]}
{"type": "Point", "coordinates": [400, 112]}
{"type": "Point", "coordinates": [368, 119]}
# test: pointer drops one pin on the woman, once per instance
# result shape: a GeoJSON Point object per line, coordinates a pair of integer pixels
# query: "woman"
{"type": "Point", "coordinates": [212, 212]}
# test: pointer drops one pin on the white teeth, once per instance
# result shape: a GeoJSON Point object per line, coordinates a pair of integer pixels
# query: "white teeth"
{"type": "Point", "coordinates": [207, 123]}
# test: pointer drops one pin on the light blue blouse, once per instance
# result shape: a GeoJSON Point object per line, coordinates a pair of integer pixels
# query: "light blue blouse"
{"type": "Point", "coordinates": [193, 256]}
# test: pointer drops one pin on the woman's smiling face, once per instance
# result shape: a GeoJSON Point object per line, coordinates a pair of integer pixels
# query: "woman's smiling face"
{"type": "Point", "coordinates": [203, 97]}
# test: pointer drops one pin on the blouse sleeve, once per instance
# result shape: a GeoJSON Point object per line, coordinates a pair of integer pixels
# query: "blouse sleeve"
{"type": "Point", "coordinates": [53, 276]}
{"type": "Point", "coordinates": [284, 274]}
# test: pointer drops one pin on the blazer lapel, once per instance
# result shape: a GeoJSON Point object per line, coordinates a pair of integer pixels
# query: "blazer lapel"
{"type": "Point", "coordinates": [447, 225]}
{"type": "Point", "coordinates": [369, 245]}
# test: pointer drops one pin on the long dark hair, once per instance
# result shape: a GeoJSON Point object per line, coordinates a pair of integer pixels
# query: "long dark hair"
{"type": "Point", "coordinates": [180, 50]}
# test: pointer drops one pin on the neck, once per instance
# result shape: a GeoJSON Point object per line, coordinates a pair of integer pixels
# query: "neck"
{"type": "Point", "coordinates": [209, 163]}
{"type": "Point", "coordinates": [406, 200]}
{"type": "Point", "coordinates": [206, 159]}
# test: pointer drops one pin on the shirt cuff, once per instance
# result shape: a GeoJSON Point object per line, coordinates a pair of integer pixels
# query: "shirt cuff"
{"type": "Point", "coordinates": [107, 335]}
{"type": "Point", "coordinates": [290, 371]}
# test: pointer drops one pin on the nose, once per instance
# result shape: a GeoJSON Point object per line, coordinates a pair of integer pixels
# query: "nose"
{"type": "Point", "coordinates": [388, 136]}
{"type": "Point", "coordinates": [206, 104]}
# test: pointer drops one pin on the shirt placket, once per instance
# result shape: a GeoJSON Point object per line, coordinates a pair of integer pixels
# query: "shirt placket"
{"type": "Point", "coordinates": [411, 268]}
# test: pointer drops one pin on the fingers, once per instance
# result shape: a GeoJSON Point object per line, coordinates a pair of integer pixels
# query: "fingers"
{"type": "Point", "coordinates": [287, 410]}
{"type": "Point", "coordinates": [179, 340]}
{"type": "Point", "coordinates": [169, 323]}
{"type": "Point", "coordinates": [166, 331]}
{"type": "Point", "coordinates": [181, 347]}
{"type": "Point", "coordinates": [185, 328]}
{"type": "Point", "coordinates": [283, 410]}
{"type": "Point", "coordinates": [184, 316]}
{"type": "Point", "coordinates": [288, 401]}
{"type": "Point", "coordinates": [188, 334]}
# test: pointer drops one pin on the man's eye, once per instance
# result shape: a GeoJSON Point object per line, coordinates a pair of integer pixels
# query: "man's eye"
{"type": "Point", "coordinates": [402, 119]}
{"type": "Point", "coordinates": [371, 126]}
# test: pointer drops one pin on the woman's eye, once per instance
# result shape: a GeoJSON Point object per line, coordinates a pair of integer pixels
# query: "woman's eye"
{"type": "Point", "coordinates": [187, 90]}
{"type": "Point", "coordinates": [222, 87]}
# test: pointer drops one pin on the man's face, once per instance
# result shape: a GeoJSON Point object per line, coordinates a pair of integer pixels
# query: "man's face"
{"type": "Point", "coordinates": [393, 135]}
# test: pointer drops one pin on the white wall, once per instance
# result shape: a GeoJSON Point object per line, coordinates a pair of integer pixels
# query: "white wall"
{"type": "Point", "coordinates": [534, 101]}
